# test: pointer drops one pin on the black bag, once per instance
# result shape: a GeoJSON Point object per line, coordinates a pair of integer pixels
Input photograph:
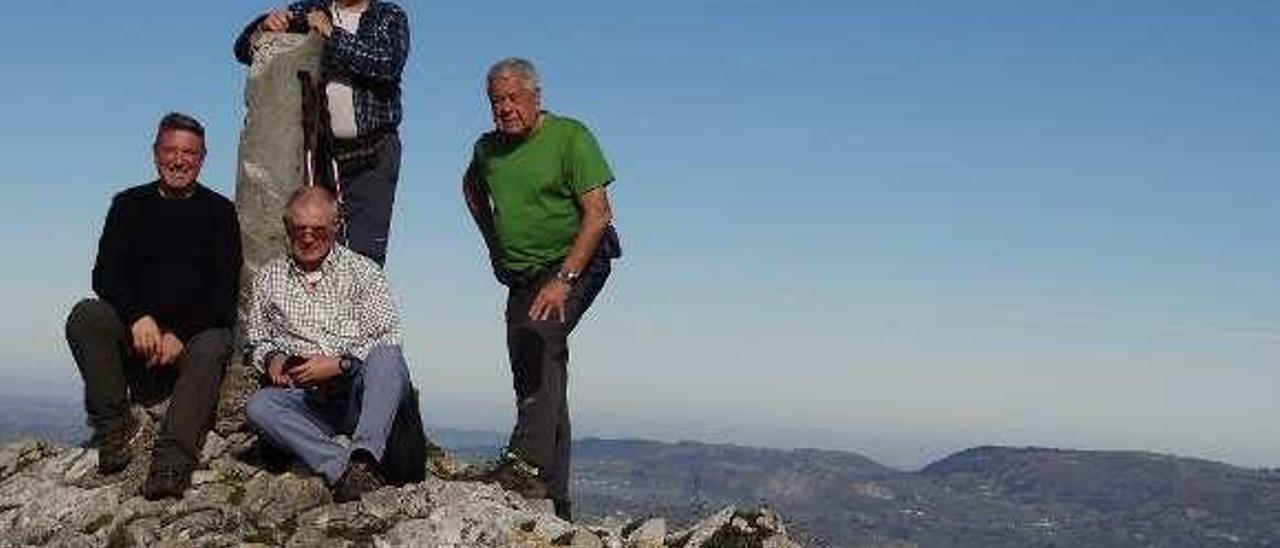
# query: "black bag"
{"type": "Point", "coordinates": [405, 458]}
{"type": "Point", "coordinates": [610, 247]}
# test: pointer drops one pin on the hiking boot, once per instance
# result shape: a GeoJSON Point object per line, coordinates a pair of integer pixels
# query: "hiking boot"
{"type": "Point", "coordinates": [515, 474]}
{"type": "Point", "coordinates": [361, 477]}
{"type": "Point", "coordinates": [113, 445]}
{"type": "Point", "coordinates": [563, 509]}
{"type": "Point", "coordinates": [166, 480]}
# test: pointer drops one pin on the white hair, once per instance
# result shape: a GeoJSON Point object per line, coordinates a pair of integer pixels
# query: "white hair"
{"type": "Point", "coordinates": [515, 66]}
{"type": "Point", "coordinates": [312, 196]}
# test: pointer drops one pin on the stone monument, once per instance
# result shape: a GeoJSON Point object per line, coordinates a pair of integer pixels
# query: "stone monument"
{"type": "Point", "coordinates": [271, 149]}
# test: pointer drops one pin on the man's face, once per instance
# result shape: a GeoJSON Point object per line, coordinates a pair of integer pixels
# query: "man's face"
{"type": "Point", "coordinates": [311, 229]}
{"type": "Point", "coordinates": [515, 106]}
{"type": "Point", "coordinates": [179, 155]}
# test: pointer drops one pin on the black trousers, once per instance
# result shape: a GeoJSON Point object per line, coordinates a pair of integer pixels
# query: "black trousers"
{"type": "Point", "coordinates": [539, 352]}
{"type": "Point", "coordinates": [368, 194]}
{"type": "Point", "coordinates": [114, 376]}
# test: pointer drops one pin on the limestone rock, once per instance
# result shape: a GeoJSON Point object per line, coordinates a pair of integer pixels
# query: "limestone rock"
{"type": "Point", "coordinates": [649, 533]}
{"type": "Point", "coordinates": [53, 496]}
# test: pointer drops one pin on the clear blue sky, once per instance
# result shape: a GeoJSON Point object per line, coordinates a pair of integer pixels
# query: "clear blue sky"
{"type": "Point", "coordinates": [900, 228]}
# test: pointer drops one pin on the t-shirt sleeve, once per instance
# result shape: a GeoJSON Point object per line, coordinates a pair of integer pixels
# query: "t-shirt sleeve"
{"type": "Point", "coordinates": [589, 169]}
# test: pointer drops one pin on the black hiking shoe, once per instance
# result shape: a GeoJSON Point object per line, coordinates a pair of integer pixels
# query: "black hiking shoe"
{"type": "Point", "coordinates": [166, 480]}
{"type": "Point", "coordinates": [113, 445]}
{"type": "Point", "coordinates": [563, 509]}
{"type": "Point", "coordinates": [361, 477]}
{"type": "Point", "coordinates": [517, 475]}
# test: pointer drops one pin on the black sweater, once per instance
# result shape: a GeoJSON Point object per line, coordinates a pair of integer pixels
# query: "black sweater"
{"type": "Point", "coordinates": [174, 259]}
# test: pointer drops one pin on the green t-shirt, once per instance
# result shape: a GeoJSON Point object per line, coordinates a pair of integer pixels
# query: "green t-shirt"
{"type": "Point", "coordinates": [535, 184]}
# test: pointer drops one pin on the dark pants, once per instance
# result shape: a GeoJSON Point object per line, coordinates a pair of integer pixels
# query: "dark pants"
{"type": "Point", "coordinates": [539, 352]}
{"type": "Point", "coordinates": [368, 193]}
{"type": "Point", "coordinates": [113, 375]}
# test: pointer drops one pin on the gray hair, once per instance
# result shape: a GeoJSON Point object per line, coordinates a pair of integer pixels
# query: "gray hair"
{"type": "Point", "coordinates": [308, 195]}
{"type": "Point", "coordinates": [515, 66]}
{"type": "Point", "coordinates": [177, 121]}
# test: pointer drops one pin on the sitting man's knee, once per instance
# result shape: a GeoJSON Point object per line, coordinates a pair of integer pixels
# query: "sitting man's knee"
{"type": "Point", "coordinates": [385, 365]}
{"type": "Point", "coordinates": [218, 338]}
{"type": "Point", "coordinates": [89, 315]}
{"type": "Point", "coordinates": [258, 409]}
{"type": "Point", "coordinates": [211, 343]}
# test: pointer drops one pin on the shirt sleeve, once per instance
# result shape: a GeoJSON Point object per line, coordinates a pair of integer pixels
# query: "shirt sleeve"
{"type": "Point", "coordinates": [261, 335]}
{"type": "Point", "coordinates": [243, 47]}
{"type": "Point", "coordinates": [229, 258]}
{"type": "Point", "coordinates": [111, 275]}
{"type": "Point", "coordinates": [588, 168]}
{"type": "Point", "coordinates": [380, 56]}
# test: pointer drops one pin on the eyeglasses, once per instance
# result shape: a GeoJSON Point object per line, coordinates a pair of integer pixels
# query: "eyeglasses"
{"type": "Point", "coordinates": [321, 232]}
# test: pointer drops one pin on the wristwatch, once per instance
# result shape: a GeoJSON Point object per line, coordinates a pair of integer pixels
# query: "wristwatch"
{"type": "Point", "coordinates": [569, 277]}
{"type": "Point", "coordinates": [346, 364]}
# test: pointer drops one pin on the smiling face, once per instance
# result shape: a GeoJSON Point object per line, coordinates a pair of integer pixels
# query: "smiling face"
{"type": "Point", "coordinates": [179, 155]}
{"type": "Point", "coordinates": [515, 106]}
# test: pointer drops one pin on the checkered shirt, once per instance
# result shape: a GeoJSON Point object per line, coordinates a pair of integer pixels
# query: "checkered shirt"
{"type": "Point", "coordinates": [371, 60]}
{"type": "Point", "coordinates": [348, 312]}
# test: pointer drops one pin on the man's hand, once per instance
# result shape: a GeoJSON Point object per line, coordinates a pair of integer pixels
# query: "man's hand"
{"type": "Point", "coordinates": [319, 21]}
{"type": "Point", "coordinates": [170, 348]}
{"type": "Point", "coordinates": [275, 371]}
{"type": "Point", "coordinates": [146, 338]}
{"type": "Point", "coordinates": [276, 21]}
{"type": "Point", "coordinates": [550, 301]}
{"type": "Point", "coordinates": [316, 370]}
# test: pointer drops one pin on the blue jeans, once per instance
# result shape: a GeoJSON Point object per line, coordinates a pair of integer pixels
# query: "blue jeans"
{"type": "Point", "coordinates": [302, 422]}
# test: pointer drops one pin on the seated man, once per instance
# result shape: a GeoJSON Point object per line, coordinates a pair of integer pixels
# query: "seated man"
{"type": "Point", "coordinates": [167, 276]}
{"type": "Point", "coordinates": [322, 329]}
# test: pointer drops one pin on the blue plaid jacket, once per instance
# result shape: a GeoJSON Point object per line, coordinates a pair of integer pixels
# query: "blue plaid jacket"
{"type": "Point", "coordinates": [372, 59]}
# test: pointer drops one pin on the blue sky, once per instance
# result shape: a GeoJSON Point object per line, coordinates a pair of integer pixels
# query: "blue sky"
{"type": "Point", "coordinates": [899, 228]}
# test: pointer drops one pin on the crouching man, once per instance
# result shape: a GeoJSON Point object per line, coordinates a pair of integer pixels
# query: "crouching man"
{"type": "Point", "coordinates": [166, 276]}
{"type": "Point", "coordinates": [322, 329]}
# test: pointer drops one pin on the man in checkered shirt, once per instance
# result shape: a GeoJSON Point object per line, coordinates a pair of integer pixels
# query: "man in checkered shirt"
{"type": "Point", "coordinates": [322, 328]}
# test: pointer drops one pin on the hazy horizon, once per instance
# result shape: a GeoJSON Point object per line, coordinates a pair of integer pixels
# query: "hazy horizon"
{"type": "Point", "coordinates": [895, 228]}
{"type": "Point", "coordinates": [894, 451]}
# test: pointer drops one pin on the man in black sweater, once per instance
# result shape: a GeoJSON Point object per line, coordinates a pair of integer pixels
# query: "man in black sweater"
{"type": "Point", "coordinates": [167, 278]}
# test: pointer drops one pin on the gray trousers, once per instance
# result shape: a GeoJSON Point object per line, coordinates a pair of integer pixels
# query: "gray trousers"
{"type": "Point", "coordinates": [368, 194]}
{"type": "Point", "coordinates": [305, 423]}
{"type": "Point", "coordinates": [113, 376]}
{"type": "Point", "coordinates": [539, 352]}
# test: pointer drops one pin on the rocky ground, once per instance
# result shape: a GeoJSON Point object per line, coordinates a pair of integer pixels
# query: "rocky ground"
{"type": "Point", "coordinates": [53, 496]}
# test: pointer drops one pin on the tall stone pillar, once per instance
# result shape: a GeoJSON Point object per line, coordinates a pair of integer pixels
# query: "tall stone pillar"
{"type": "Point", "coordinates": [270, 163]}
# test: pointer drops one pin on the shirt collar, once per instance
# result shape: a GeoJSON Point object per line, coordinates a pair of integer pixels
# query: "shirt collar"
{"type": "Point", "coordinates": [326, 266]}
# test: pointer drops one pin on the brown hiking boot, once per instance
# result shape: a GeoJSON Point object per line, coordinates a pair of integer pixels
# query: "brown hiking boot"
{"type": "Point", "coordinates": [113, 445]}
{"type": "Point", "coordinates": [517, 475]}
{"type": "Point", "coordinates": [361, 477]}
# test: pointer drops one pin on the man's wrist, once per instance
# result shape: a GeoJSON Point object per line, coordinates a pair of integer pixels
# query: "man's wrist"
{"type": "Point", "coordinates": [269, 357]}
{"type": "Point", "coordinates": [568, 276]}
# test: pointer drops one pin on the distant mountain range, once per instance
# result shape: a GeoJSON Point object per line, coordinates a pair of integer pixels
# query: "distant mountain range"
{"type": "Point", "coordinates": [988, 497]}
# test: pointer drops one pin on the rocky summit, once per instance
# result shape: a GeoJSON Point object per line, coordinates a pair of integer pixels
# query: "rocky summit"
{"type": "Point", "coordinates": [52, 495]}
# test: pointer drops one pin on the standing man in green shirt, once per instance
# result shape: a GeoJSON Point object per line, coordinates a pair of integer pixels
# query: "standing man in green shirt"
{"type": "Point", "coordinates": [536, 187]}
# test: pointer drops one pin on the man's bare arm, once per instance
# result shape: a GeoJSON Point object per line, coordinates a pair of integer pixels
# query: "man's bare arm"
{"type": "Point", "coordinates": [549, 304]}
